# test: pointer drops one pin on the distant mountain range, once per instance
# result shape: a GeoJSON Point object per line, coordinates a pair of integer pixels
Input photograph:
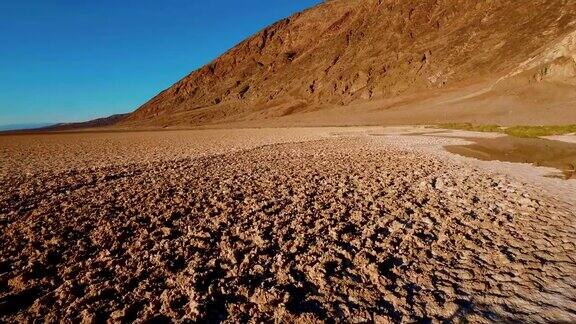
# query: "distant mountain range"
{"type": "Point", "coordinates": [95, 123]}
{"type": "Point", "coordinates": [99, 122]}
{"type": "Point", "coordinates": [10, 127]}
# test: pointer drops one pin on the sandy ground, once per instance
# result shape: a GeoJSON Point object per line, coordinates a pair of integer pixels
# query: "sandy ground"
{"type": "Point", "coordinates": [355, 224]}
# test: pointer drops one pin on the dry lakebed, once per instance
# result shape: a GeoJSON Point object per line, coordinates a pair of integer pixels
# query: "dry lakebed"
{"type": "Point", "coordinates": [358, 224]}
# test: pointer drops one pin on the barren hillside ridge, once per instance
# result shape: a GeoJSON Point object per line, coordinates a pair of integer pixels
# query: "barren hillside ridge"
{"type": "Point", "coordinates": [388, 61]}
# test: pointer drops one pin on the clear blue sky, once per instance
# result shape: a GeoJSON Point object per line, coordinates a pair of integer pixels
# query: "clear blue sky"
{"type": "Point", "coordinates": [72, 60]}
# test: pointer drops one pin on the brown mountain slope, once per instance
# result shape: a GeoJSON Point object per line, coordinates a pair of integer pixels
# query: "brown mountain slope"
{"type": "Point", "coordinates": [388, 61]}
{"type": "Point", "coordinates": [94, 123]}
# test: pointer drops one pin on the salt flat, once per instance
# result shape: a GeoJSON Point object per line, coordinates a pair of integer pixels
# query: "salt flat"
{"type": "Point", "coordinates": [293, 224]}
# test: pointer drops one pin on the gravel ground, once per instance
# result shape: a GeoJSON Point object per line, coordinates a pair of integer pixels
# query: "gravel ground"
{"type": "Point", "coordinates": [354, 228]}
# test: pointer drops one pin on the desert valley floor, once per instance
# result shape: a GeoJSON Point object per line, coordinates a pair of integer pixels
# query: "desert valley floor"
{"type": "Point", "coordinates": [295, 224]}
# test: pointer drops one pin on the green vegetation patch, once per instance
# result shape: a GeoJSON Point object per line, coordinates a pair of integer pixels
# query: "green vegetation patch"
{"type": "Point", "coordinates": [538, 131]}
{"type": "Point", "coordinates": [517, 131]}
{"type": "Point", "coordinates": [473, 128]}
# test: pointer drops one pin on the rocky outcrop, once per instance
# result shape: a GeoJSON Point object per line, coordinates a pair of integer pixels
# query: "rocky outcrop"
{"type": "Point", "coordinates": [557, 63]}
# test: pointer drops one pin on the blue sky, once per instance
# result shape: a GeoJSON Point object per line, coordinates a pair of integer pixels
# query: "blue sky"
{"type": "Point", "coordinates": [73, 60]}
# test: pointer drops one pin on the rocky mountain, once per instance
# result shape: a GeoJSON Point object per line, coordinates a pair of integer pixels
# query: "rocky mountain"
{"type": "Point", "coordinates": [388, 61]}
